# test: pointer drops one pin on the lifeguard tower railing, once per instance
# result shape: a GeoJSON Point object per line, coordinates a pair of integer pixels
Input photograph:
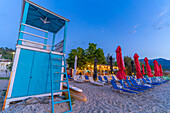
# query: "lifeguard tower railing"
{"type": "Point", "coordinates": [39, 65]}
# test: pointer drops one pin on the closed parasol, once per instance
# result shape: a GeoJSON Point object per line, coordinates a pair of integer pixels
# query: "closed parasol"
{"type": "Point", "coordinates": [138, 68]}
{"type": "Point", "coordinates": [121, 73]}
{"type": "Point", "coordinates": [148, 68]}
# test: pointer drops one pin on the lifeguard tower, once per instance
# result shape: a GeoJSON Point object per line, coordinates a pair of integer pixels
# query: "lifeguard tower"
{"type": "Point", "coordinates": [38, 67]}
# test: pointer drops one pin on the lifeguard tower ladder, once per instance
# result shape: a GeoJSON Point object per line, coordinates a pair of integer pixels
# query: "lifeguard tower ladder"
{"type": "Point", "coordinates": [38, 68]}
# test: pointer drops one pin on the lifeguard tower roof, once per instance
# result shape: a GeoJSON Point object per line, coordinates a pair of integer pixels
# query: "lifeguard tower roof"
{"type": "Point", "coordinates": [43, 18]}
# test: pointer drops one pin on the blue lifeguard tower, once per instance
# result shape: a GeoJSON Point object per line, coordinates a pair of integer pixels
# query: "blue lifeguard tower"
{"type": "Point", "coordinates": [38, 68]}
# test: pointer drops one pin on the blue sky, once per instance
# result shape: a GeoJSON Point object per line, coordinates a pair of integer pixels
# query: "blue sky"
{"type": "Point", "coordinates": [138, 26]}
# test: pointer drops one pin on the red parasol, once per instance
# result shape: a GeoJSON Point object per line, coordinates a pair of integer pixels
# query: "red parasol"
{"type": "Point", "coordinates": [161, 71]}
{"type": "Point", "coordinates": [148, 68]}
{"type": "Point", "coordinates": [143, 70]}
{"type": "Point", "coordinates": [121, 73]}
{"type": "Point", "coordinates": [156, 69]}
{"type": "Point", "coordinates": [138, 68]}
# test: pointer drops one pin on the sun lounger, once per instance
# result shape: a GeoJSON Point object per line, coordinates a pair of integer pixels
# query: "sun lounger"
{"type": "Point", "coordinates": [130, 84]}
{"type": "Point", "coordinates": [138, 83]}
{"type": "Point", "coordinates": [76, 79]}
{"type": "Point", "coordinates": [151, 83]}
{"type": "Point", "coordinates": [95, 83]}
{"type": "Point", "coordinates": [161, 80]}
{"type": "Point", "coordinates": [120, 88]}
{"type": "Point", "coordinates": [101, 80]}
{"type": "Point", "coordinates": [115, 79]}
{"type": "Point", "coordinates": [84, 79]}
{"type": "Point", "coordinates": [133, 85]}
{"type": "Point", "coordinates": [131, 88]}
{"type": "Point", "coordinates": [69, 77]}
{"type": "Point", "coordinates": [151, 80]}
{"type": "Point", "coordinates": [166, 78]}
{"type": "Point", "coordinates": [106, 79]}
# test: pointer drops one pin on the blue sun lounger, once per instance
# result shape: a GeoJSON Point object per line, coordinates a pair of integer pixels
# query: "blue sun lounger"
{"type": "Point", "coordinates": [133, 85]}
{"type": "Point", "coordinates": [86, 77]}
{"type": "Point", "coordinates": [121, 89]}
{"type": "Point", "coordinates": [106, 79]}
{"type": "Point", "coordinates": [152, 80]}
{"type": "Point", "coordinates": [131, 88]}
{"type": "Point", "coordinates": [133, 81]}
{"type": "Point", "coordinates": [101, 80]}
{"type": "Point", "coordinates": [115, 79]}
{"type": "Point", "coordinates": [151, 83]}
{"type": "Point", "coordinates": [69, 77]}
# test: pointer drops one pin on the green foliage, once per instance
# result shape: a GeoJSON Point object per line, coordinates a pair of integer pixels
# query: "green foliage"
{"type": "Point", "coordinates": [6, 52]}
{"type": "Point", "coordinates": [115, 63]}
{"type": "Point", "coordinates": [152, 67]}
{"type": "Point", "coordinates": [4, 78]}
{"type": "Point", "coordinates": [128, 66]}
{"type": "Point", "coordinates": [168, 75]}
{"type": "Point", "coordinates": [86, 57]}
{"type": "Point", "coordinates": [80, 58]}
{"type": "Point", "coordinates": [9, 67]}
{"type": "Point", "coordinates": [108, 59]}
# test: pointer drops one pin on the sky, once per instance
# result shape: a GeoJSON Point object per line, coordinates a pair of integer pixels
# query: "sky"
{"type": "Point", "coordinates": [138, 26]}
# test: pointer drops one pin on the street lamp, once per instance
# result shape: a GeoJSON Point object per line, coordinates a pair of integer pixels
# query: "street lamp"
{"type": "Point", "coordinates": [13, 53]}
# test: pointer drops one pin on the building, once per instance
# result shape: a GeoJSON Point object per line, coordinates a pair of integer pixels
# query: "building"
{"type": "Point", "coordinates": [4, 63]}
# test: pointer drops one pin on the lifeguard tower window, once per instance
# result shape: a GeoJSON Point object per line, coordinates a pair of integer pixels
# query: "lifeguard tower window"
{"type": "Point", "coordinates": [37, 25]}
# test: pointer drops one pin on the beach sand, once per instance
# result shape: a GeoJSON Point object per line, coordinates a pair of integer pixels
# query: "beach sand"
{"type": "Point", "coordinates": [104, 99]}
{"type": "Point", "coordinates": [107, 100]}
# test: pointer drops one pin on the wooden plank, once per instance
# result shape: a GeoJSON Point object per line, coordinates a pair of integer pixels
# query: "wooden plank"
{"type": "Point", "coordinates": [24, 17]}
{"type": "Point", "coordinates": [34, 27]}
{"type": "Point", "coordinates": [33, 34]}
{"type": "Point", "coordinates": [7, 91]}
{"type": "Point", "coordinates": [34, 42]}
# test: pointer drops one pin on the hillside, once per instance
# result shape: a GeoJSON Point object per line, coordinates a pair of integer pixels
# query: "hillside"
{"type": "Point", "coordinates": [6, 52]}
{"type": "Point", "coordinates": [164, 62]}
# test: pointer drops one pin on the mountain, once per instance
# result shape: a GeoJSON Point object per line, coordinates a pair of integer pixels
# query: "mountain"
{"type": "Point", "coordinates": [164, 62]}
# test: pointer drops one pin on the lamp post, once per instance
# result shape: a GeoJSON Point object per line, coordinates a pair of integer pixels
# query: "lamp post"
{"type": "Point", "coordinates": [13, 53]}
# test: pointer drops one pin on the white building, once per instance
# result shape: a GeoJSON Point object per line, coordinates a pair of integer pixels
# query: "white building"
{"type": "Point", "coordinates": [4, 63]}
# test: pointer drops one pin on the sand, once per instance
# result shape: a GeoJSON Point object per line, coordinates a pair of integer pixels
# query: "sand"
{"type": "Point", "coordinates": [104, 100]}
{"type": "Point", "coordinates": [3, 88]}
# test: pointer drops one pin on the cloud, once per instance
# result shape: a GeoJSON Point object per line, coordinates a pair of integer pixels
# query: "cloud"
{"type": "Point", "coordinates": [162, 13]}
{"type": "Point", "coordinates": [133, 31]}
{"type": "Point", "coordinates": [162, 21]}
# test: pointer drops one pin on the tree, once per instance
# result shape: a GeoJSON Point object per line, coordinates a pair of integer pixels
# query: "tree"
{"type": "Point", "coordinates": [128, 66]}
{"type": "Point", "coordinates": [108, 60]}
{"type": "Point", "coordinates": [6, 52]}
{"type": "Point", "coordinates": [80, 58]}
{"type": "Point", "coordinates": [115, 63]}
{"type": "Point", "coordinates": [86, 57]}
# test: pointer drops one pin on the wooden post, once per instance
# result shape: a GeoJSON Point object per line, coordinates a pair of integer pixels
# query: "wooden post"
{"type": "Point", "coordinates": [65, 35]}
{"type": "Point", "coordinates": [53, 42]}
{"type": "Point", "coordinates": [23, 22]}
{"type": "Point", "coordinates": [45, 40]}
